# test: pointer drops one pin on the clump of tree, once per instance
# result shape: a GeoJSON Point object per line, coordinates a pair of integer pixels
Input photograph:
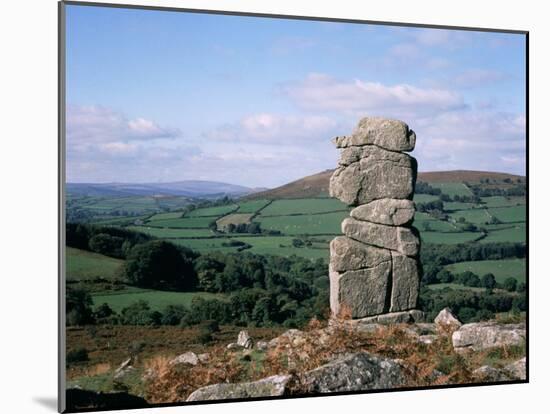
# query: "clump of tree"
{"type": "Point", "coordinates": [158, 264]}
{"type": "Point", "coordinates": [425, 188]}
{"type": "Point", "coordinates": [110, 241]}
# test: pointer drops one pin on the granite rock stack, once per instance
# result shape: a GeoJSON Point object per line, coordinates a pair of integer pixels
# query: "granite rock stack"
{"type": "Point", "coordinates": [374, 267]}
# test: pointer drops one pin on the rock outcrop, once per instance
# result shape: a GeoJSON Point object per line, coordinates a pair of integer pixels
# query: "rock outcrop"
{"type": "Point", "coordinates": [374, 268]}
{"type": "Point", "coordinates": [484, 335]}
{"type": "Point", "coordinates": [354, 372]}
{"type": "Point", "coordinates": [267, 387]}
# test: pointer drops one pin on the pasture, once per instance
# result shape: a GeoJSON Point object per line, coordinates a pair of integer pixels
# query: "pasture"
{"type": "Point", "coordinates": [513, 214]}
{"type": "Point", "coordinates": [183, 223]}
{"type": "Point", "coordinates": [502, 269]}
{"type": "Point", "coordinates": [303, 206]}
{"type": "Point", "coordinates": [84, 265]}
{"type": "Point", "coordinates": [329, 223]}
{"type": "Point", "coordinates": [453, 189]}
{"type": "Point", "coordinates": [212, 211]}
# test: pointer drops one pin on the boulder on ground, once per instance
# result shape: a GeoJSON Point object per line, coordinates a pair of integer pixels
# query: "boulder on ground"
{"type": "Point", "coordinates": [404, 240]}
{"type": "Point", "coordinates": [245, 340]}
{"type": "Point", "coordinates": [389, 211]}
{"type": "Point", "coordinates": [189, 358]}
{"type": "Point", "coordinates": [484, 335]}
{"type": "Point", "coordinates": [124, 369]}
{"type": "Point", "coordinates": [487, 373]}
{"type": "Point", "coordinates": [355, 372]}
{"type": "Point", "coordinates": [390, 134]}
{"type": "Point", "coordinates": [267, 387]}
{"type": "Point", "coordinates": [445, 320]}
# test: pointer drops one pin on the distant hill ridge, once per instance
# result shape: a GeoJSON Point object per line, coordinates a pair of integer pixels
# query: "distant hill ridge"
{"type": "Point", "coordinates": [188, 188]}
{"type": "Point", "coordinates": [317, 184]}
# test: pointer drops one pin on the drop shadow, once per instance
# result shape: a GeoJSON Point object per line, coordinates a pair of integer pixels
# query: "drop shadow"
{"type": "Point", "coordinates": [48, 402]}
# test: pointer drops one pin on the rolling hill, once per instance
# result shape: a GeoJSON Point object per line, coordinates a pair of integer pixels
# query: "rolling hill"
{"type": "Point", "coordinates": [188, 188]}
{"type": "Point", "coordinates": [317, 184]}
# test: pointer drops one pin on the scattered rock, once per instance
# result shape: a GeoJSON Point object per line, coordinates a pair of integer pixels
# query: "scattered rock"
{"type": "Point", "coordinates": [189, 358]}
{"type": "Point", "coordinates": [356, 372]}
{"type": "Point", "coordinates": [389, 211]}
{"type": "Point", "coordinates": [204, 358]}
{"type": "Point", "coordinates": [445, 320]}
{"type": "Point", "coordinates": [268, 387]}
{"type": "Point", "coordinates": [124, 369]}
{"type": "Point", "coordinates": [427, 339]}
{"type": "Point", "coordinates": [483, 335]}
{"type": "Point", "coordinates": [487, 373]}
{"type": "Point", "coordinates": [261, 345]}
{"type": "Point", "coordinates": [245, 340]}
{"type": "Point", "coordinates": [517, 370]}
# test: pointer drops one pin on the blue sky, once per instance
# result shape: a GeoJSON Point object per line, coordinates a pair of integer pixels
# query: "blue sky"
{"type": "Point", "coordinates": [163, 96]}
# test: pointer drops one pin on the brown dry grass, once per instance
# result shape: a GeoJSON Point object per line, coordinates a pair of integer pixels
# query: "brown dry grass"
{"type": "Point", "coordinates": [317, 344]}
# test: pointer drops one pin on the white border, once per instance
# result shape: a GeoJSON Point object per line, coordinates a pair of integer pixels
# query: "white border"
{"type": "Point", "coordinates": [28, 265]}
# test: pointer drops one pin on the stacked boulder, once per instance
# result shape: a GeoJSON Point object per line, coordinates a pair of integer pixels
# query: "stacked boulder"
{"type": "Point", "coordinates": [374, 268]}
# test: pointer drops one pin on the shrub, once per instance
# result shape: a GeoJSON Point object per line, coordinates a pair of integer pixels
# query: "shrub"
{"type": "Point", "coordinates": [510, 284]}
{"type": "Point", "coordinates": [77, 355]}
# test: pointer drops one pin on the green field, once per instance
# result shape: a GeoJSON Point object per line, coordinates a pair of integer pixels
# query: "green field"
{"type": "Point", "coordinates": [424, 222]}
{"type": "Point", "coordinates": [457, 205]}
{"type": "Point", "coordinates": [303, 206]}
{"type": "Point", "coordinates": [502, 269]}
{"type": "Point", "coordinates": [329, 223]}
{"type": "Point", "coordinates": [516, 233]}
{"type": "Point", "coordinates": [497, 201]}
{"type": "Point", "coordinates": [83, 265]}
{"type": "Point", "coordinates": [184, 223]}
{"type": "Point", "coordinates": [166, 216]}
{"type": "Point", "coordinates": [282, 246]}
{"type": "Point", "coordinates": [424, 198]}
{"type": "Point", "coordinates": [172, 233]}
{"type": "Point", "coordinates": [212, 211]}
{"type": "Point", "coordinates": [453, 189]}
{"type": "Point", "coordinates": [448, 238]}
{"type": "Point", "coordinates": [236, 218]}
{"type": "Point", "coordinates": [476, 216]}
{"type": "Point", "coordinates": [252, 206]}
{"type": "Point", "coordinates": [510, 214]}
{"type": "Point", "coordinates": [157, 299]}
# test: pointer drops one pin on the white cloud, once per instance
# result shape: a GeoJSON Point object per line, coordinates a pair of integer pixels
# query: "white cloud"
{"type": "Point", "coordinates": [321, 92]}
{"type": "Point", "coordinates": [269, 128]}
{"type": "Point", "coordinates": [95, 124]}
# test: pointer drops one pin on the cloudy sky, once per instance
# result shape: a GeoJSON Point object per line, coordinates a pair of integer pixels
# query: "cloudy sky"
{"type": "Point", "coordinates": [162, 96]}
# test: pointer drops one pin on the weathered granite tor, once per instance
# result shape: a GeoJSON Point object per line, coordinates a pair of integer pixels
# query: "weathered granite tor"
{"type": "Point", "coordinates": [374, 268]}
